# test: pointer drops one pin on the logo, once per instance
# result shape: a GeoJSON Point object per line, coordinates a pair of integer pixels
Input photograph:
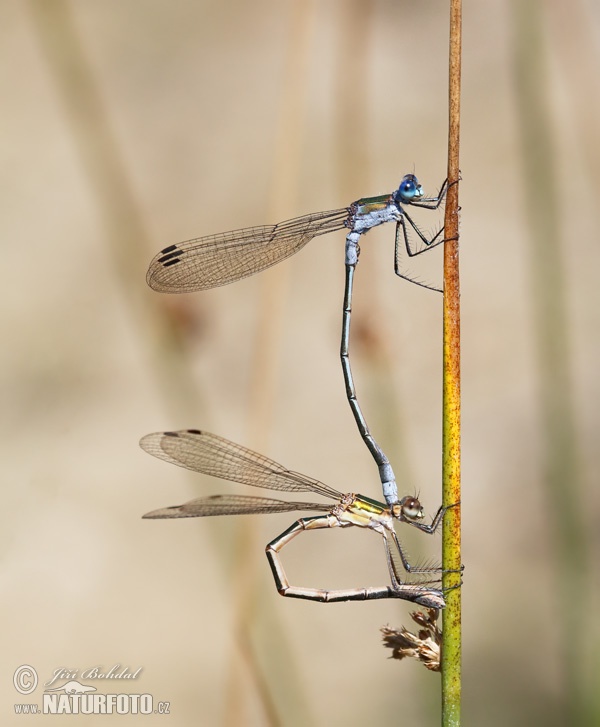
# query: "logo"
{"type": "Point", "coordinates": [66, 693]}
{"type": "Point", "coordinates": [72, 687]}
{"type": "Point", "coordinates": [25, 679]}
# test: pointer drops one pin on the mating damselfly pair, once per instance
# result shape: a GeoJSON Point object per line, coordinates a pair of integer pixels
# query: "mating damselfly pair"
{"type": "Point", "coordinates": [215, 260]}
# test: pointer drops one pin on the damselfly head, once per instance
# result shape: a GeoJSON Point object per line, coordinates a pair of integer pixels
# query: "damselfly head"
{"type": "Point", "coordinates": [409, 189]}
{"type": "Point", "coordinates": [408, 508]}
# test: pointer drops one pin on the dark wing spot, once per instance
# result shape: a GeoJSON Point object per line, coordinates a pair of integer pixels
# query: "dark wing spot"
{"type": "Point", "coordinates": [169, 249]}
{"type": "Point", "coordinates": [171, 262]}
{"type": "Point", "coordinates": [194, 431]}
{"type": "Point", "coordinates": [170, 255]}
{"type": "Point", "coordinates": [171, 434]}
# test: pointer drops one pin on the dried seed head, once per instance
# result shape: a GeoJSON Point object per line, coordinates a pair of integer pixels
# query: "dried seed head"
{"type": "Point", "coordinates": [426, 646]}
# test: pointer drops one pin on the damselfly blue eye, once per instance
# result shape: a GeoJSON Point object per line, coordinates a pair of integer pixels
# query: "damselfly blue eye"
{"type": "Point", "coordinates": [409, 189]}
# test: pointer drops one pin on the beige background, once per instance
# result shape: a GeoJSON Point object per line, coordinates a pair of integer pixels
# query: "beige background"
{"type": "Point", "coordinates": [131, 125]}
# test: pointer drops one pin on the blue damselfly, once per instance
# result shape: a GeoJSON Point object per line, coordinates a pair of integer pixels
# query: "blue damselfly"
{"type": "Point", "coordinates": [215, 260]}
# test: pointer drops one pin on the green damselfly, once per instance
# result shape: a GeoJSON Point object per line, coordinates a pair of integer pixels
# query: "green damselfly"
{"type": "Point", "coordinates": [212, 455]}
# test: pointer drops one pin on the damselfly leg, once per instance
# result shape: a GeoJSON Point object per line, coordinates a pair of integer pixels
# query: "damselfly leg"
{"type": "Point", "coordinates": [428, 242]}
{"type": "Point", "coordinates": [417, 592]}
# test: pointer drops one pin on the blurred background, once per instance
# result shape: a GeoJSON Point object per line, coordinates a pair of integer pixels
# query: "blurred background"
{"type": "Point", "coordinates": [128, 126]}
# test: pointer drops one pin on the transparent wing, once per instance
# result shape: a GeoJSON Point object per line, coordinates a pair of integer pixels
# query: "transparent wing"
{"type": "Point", "coordinates": [212, 455]}
{"type": "Point", "coordinates": [207, 262]}
{"type": "Point", "coordinates": [233, 505]}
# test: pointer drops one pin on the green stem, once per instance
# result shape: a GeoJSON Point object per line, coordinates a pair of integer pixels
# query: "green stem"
{"type": "Point", "coordinates": [451, 533]}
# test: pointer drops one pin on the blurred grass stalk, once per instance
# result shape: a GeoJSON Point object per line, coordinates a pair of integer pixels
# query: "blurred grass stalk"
{"type": "Point", "coordinates": [561, 469]}
{"type": "Point", "coordinates": [259, 634]}
{"type": "Point", "coordinates": [129, 243]}
{"type": "Point", "coordinates": [451, 533]}
{"type": "Point", "coordinates": [127, 239]}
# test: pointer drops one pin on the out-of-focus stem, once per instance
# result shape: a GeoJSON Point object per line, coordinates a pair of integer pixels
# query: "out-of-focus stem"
{"type": "Point", "coordinates": [89, 122]}
{"type": "Point", "coordinates": [560, 464]}
{"type": "Point", "coordinates": [255, 610]}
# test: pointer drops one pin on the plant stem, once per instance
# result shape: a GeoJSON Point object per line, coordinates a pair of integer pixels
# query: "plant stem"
{"type": "Point", "coordinates": [451, 533]}
{"type": "Point", "coordinates": [561, 469]}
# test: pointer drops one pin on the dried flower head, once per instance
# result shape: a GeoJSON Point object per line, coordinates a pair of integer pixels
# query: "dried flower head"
{"type": "Point", "coordinates": [426, 645]}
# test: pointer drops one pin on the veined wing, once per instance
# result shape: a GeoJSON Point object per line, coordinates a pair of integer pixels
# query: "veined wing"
{"type": "Point", "coordinates": [233, 505]}
{"type": "Point", "coordinates": [207, 262]}
{"type": "Point", "coordinates": [212, 455]}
